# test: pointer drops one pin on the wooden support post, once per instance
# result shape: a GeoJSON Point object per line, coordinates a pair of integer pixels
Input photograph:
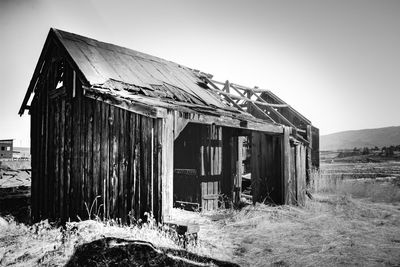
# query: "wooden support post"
{"type": "Point", "coordinates": [239, 171]}
{"type": "Point", "coordinates": [308, 155]}
{"type": "Point", "coordinates": [167, 172]}
{"type": "Point", "coordinates": [227, 86]}
{"type": "Point", "coordinates": [286, 165]}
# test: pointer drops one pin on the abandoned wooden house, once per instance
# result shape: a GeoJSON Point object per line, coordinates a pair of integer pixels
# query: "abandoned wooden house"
{"type": "Point", "coordinates": [125, 133]}
{"type": "Point", "coordinates": [6, 149]}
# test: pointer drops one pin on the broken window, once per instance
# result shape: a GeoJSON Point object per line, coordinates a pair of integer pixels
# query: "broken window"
{"type": "Point", "coordinates": [2, 148]}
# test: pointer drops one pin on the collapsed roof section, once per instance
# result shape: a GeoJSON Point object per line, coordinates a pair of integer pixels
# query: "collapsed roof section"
{"type": "Point", "coordinates": [113, 72]}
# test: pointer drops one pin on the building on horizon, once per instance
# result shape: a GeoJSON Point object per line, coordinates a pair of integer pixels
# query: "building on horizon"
{"type": "Point", "coordinates": [6, 149]}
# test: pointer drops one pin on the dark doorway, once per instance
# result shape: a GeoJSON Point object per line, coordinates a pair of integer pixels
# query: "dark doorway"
{"type": "Point", "coordinates": [198, 160]}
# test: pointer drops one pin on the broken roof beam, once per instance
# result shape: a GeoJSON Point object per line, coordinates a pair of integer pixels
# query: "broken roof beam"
{"type": "Point", "coordinates": [259, 111]}
{"type": "Point", "coordinates": [279, 116]}
{"type": "Point", "coordinates": [226, 95]}
{"type": "Point", "coordinates": [242, 96]}
{"type": "Point", "coordinates": [241, 87]}
{"type": "Point", "coordinates": [277, 99]}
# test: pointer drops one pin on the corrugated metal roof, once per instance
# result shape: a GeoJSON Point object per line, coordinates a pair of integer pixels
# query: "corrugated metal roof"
{"type": "Point", "coordinates": [122, 69]}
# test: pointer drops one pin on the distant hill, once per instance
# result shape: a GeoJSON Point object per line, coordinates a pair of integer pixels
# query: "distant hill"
{"type": "Point", "coordinates": [361, 138]}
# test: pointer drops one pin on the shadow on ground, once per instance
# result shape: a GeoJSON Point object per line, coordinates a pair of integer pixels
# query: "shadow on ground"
{"type": "Point", "coordinates": [119, 252]}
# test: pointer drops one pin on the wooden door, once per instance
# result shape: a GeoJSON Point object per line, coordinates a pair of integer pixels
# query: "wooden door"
{"type": "Point", "coordinates": [210, 166]}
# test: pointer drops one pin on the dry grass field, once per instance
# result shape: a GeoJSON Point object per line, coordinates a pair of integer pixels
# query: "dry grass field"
{"type": "Point", "coordinates": [350, 221]}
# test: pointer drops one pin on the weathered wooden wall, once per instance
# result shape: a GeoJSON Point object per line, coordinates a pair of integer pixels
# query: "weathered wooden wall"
{"type": "Point", "coordinates": [294, 170]}
{"type": "Point", "coordinates": [266, 168]}
{"type": "Point", "coordinates": [83, 149]}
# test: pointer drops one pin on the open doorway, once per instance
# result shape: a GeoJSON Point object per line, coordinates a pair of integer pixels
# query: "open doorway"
{"type": "Point", "coordinates": [198, 164]}
{"type": "Point", "coordinates": [218, 166]}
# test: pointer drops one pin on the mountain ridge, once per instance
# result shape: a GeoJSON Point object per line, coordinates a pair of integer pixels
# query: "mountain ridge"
{"type": "Point", "coordinates": [380, 137]}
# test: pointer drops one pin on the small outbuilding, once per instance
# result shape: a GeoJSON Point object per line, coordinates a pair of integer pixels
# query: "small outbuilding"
{"type": "Point", "coordinates": [117, 133]}
{"type": "Point", "coordinates": [6, 149]}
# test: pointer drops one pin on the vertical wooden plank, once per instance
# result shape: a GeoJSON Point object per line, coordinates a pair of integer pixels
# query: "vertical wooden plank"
{"type": "Point", "coordinates": [45, 184]}
{"type": "Point", "coordinates": [132, 162]}
{"type": "Point", "coordinates": [233, 170]}
{"type": "Point", "coordinates": [308, 154]}
{"type": "Point", "coordinates": [210, 149]}
{"type": "Point", "coordinates": [114, 136]}
{"type": "Point", "coordinates": [153, 154]}
{"type": "Point", "coordinates": [83, 158]}
{"type": "Point", "coordinates": [60, 189]}
{"type": "Point", "coordinates": [75, 196]}
{"type": "Point", "coordinates": [67, 166]}
{"type": "Point", "coordinates": [96, 149]}
{"type": "Point", "coordinates": [143, 163]}
{"type": "Point", "coordinates": [292, 182]}
{"type": "Point", "coordinates": [210, 191]}
{"type": "Point", "coordinates": [203, 193]}
{"type": "Point", "coordinates": [157, 170]}
{"type": "Point", "coordinates": [168, 165]}
{"type": "Point", "coordinates": [301, 174]}
{"type": "Point", "coordinates": [122, 177]}
{"type": "Point", "coordinates": [56, 147]}
{"type": "Point", "coordinates": [90, 184]}
{"type": "Point", "coordinates": [67, 156]}
{"type": "Point", "coordinates": [286, 164]}
{"type": "Point", "coordinates": [264, 166]}
{"type": "Point", "coordinates": [105, 158]}
{"type": "Point", "coordinates": [138, 158]}
{"type": "Point", "coordinates": [255, 165]}
{"type": "Point", "coordinates": [239, 169]}
{"type": "Point", "coordinates": [40, 141]}
{"type": "Point", "coordinates": [34, 154]}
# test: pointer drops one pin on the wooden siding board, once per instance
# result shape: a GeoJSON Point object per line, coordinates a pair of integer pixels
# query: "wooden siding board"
{"type": "Point", "coordinates": [90, 181]}
{"type": "Point", "coordinates": [68, 157]}
{"type": "Point", "coordinates": [83, 158]}
{"type": "Point", "coordinates": [56, 148]}
{"type": "Point", "coordinates": [293, 176]}
{"type": "Point", "coordinates": [60, 159]}
{"type": "Point", "coordinates": [138, 178]}
{"type": "Point", "coordinates": [95, 118]}
{"type": "Point", "coordinates": [286, 165]}
{"type": "Point", "coordinates": [168, 165]}
{"type": "Point", "coordinates": [255, 165]}
{"type": "Point", "coordinates": [122, 167]}
{"type": "Point", "coordinates": [105, 161]}
{"type": "Point", "coordinates": [132, 163]}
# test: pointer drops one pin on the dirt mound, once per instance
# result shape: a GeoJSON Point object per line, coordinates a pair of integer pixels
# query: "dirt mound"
{"type": "Point", "coordinates": [120, 252]}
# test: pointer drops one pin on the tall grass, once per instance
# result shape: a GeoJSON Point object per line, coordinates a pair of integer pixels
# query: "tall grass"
{"type": "Point", "coordinates": [374, 190]}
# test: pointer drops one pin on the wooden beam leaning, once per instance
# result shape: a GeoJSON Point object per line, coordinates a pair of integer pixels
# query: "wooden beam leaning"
{"type": "Point", "coordinates": [277, 99]}
{"type": "Point", "coordinates": [271, 109]}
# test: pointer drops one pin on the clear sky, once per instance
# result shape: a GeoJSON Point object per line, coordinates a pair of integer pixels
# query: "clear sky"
{"type": "Point", "coordinates": [337, 62]}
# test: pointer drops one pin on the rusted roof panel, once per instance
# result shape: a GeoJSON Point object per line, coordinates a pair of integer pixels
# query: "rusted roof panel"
{"type": "Point", "coordinates": [101, 62]}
